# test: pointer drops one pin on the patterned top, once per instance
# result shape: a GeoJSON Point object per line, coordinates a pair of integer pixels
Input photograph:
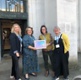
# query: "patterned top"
{"type": "Point", "coordinates": [30, 59]}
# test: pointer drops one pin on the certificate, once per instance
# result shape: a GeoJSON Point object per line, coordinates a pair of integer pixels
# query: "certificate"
{"type": "Point", "coordinates": [40, 44]}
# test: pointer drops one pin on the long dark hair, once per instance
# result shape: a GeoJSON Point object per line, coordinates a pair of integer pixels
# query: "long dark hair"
{"type": "Point", "coordinates": [42, 27]}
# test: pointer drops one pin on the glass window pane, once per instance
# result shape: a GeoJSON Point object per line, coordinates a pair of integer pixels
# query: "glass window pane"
{"type": "Point", "coordinates": [2, 5]}
{"type": "Point", "coordinates": [12, 5]}
{"type": "Point", "coordinates": [22, 8]}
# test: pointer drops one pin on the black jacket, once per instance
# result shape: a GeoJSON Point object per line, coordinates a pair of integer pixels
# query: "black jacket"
{"type": "Point", "coordinates": [14, 44]}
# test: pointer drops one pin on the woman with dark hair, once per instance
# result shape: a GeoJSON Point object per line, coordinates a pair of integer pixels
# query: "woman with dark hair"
{"type": "Point", "coordinates": [30, 61]}
{"type": "Point", "coordinates": [49, 50]}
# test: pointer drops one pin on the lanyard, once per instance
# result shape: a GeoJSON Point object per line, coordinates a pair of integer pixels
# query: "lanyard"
{"type": "Point", "coordinates": [19, 37]}
{"type": "Point", "coordinates": [57, 38]}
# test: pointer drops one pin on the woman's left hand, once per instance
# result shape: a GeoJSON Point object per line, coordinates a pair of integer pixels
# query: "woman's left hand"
{"type": "Point", "coordinates": [34, 48]}
{"type": "Point", "coordinates": [47, 44]}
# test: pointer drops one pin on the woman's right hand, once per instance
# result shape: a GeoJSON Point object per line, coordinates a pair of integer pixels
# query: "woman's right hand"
{"type": "Point", "coordinates": [17, 54]}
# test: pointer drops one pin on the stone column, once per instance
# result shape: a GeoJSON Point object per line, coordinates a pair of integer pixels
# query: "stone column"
{"type": "Point", "coordinates": [50, 14]}
{"type": "Point", "coordinates": [36, 17]}
{"type": "Point", "coordinates": [67, 20]}
{"type": "Point", "coordinates": [0, 41]}
{"type": "Point", "coordinates": [79, 28]}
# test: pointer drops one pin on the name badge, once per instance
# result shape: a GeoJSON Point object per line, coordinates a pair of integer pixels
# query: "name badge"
{"type": "Point", "coordinates": [57, 46]}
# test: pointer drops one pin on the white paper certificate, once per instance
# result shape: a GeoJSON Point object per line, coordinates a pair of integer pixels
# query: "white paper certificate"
{"type": "Point", "coordinates": [40, 44]}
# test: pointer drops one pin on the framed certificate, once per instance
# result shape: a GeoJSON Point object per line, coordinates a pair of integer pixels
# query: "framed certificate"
{"type": "Point", "coordinates": [40, 44]}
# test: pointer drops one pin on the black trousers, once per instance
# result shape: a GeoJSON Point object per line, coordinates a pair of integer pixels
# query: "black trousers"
{"type": "Point", "coordinates": [15, 67]}
{"type": "Point", "coordinates": [47, 54]}
{"type": "Point", "coordinates": [61, 64]}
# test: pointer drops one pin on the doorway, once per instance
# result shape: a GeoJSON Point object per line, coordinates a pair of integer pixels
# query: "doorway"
{"type": "Point", "coordinates": [6, 26]}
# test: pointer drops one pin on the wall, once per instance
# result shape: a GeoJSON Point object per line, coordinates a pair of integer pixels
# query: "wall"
{"type": "Point", "coordinates": [79, 28]}
{"type": "Point", "coordinates": [67, 19]}
{"type": "Point", "coordinates": [63, 13]}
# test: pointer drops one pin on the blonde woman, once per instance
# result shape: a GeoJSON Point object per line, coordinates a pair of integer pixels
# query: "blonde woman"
{"type": "Point", "coordinates": [15, 50]}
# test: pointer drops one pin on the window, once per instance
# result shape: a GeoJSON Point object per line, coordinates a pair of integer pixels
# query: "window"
{"type": "Point", "coordinates": [12, 5]}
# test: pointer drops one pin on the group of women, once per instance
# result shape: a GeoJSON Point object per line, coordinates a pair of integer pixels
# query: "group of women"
{"type": "Point", "coordinates": [57, 49]}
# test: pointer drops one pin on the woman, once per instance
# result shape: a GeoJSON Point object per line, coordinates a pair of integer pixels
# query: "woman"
{"type": "Point", "coordinates": [15, 50]}
{"type": "Point", "coordinates": [30, 61]}
{"type": "Point", "coordinates": [49, 50]}
{"type": "Point", "coordinates": [61, 54]}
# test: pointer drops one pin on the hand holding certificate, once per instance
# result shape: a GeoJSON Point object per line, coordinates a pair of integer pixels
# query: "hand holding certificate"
{"type": "Point", "coordinates": [40, 44]}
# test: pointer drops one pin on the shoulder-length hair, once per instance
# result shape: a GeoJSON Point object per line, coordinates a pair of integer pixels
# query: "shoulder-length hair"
{"type": "Point", "coordinates": [13, 29]}
{"type": "Point", "coordinates": [42, 27]}
{"type": "Point", "coordinates": [27, 30]}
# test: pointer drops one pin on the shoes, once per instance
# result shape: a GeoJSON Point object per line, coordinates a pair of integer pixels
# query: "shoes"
{"type": "Point", "coordinates": [46, 73]}
{"type": "Point", "coordinates": [19, 79]}
{"type": "Point", "coordinates": [11, 77]}
{"type": "Point", "coordinates": [55, 78]}
{"type": "Point", "coordinates": [26, 77]}
{"type": "Point", "coordinates": [33, 74]}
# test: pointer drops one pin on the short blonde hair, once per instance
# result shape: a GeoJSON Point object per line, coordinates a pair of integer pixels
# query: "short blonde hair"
{"type": "Point", "coordinates": [56, 27]}
{"type": "Point", "coordinates": [27, 30]}
{"type": "Point", "coordinates": [13, 28]}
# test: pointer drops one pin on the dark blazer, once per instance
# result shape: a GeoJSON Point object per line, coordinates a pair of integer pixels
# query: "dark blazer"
{"type": "Point", "coordinates": [14, 44]}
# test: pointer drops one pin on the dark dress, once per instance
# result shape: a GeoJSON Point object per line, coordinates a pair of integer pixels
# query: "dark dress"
{"type": "Point", "coordinates": [30, 61]}
{"type": "Point", "coordinates": [15, 44]}
{"type": "Point", "coordinates": [60, 60]}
